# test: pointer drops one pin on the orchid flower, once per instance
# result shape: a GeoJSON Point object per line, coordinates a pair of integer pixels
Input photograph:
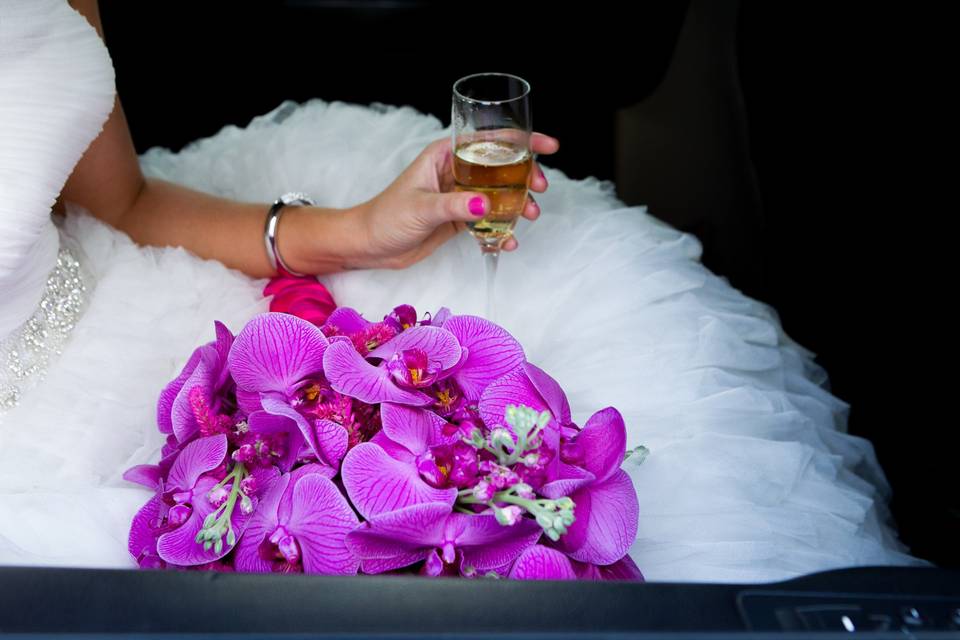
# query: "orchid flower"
{"type": "Point", "coordinates": [193, 401]}
{"type": "Point", "coordinates": [299, 526]}
{"type": "Point", "coordinates": [188, 489]}
{"type": "Point", "coordinates": [606, 502]}
{"type": "Point", "coordinates": [540, 562]}
{"type": "Point", "coordinates": [277, 361]}
{"type": "Point", "coordinates": [411, 362]}
{"type": "Point", "coordinates": [432, 532]}
{"type": "Point", "coordinates": [384, 474]}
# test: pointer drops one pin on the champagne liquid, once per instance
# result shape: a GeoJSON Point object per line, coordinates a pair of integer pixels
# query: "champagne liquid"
{"type": "Point", "coordinates": [500, 170]}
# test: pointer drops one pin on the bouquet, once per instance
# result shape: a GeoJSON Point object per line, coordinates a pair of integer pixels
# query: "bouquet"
{"type": "Point", "coordinates": [342, 445]}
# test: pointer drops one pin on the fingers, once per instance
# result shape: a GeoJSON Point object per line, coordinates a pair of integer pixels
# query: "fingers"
{"type": "Point", "coordinates": [466, 206]}
{"type": "Point", "coordinates": [510, 244]}
{"type": "Point", "coordinates": [540, 143]}
{"type": "Point", "coordinates": [531, 211]}
{"type": "Point", "coordinates": [538, 181]}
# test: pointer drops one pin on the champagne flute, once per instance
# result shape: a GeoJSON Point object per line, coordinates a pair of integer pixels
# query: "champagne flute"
{"type": "Point", "coordinates": [492, 155]}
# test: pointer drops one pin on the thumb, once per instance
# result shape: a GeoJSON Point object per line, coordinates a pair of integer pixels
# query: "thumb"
{"type": "Point", "coordinates": [466, 206]}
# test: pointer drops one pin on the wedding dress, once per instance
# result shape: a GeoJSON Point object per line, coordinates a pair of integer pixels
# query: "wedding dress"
{"type": "Point", "coordinates": [750, 474]}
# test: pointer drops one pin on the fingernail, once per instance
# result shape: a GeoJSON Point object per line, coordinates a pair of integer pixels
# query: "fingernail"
{"type": "Point", "coordinates": [477, 207]}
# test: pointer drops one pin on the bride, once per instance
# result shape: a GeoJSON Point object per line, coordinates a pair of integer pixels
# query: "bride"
{"type": "Point", "coordinates": [113, 268]}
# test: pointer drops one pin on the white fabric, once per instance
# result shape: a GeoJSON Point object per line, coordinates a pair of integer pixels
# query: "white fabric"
{"type": "Point", "coordinates": [56, 91]}
{"type": "Point", "coordinates": [750, 475]}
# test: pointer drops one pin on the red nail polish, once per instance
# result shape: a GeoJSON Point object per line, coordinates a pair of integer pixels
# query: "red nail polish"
{"type": "Point", "coordinates": [476, 206]}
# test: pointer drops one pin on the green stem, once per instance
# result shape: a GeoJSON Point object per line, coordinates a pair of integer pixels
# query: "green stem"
{"type": "Point", "coordinates": [225, 510]}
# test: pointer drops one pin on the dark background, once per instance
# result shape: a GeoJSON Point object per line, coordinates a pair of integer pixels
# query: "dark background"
{"type": "Point", "coordinates": [819, 105]}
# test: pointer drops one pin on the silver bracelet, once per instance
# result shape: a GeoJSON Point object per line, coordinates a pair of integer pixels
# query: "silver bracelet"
{"type": "Point", "coordinates": [270, 229]}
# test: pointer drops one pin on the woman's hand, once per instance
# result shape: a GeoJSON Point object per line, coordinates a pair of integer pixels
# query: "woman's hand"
{"type": "Point", "coordinates": [419, 211]}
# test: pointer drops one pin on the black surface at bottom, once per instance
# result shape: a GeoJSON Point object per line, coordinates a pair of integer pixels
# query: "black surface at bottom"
{"type": "Point", "coordinates": [129, 601]}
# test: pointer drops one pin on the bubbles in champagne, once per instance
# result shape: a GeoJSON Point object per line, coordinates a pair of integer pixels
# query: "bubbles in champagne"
{"type": "Point", "coordinates": [500, 169]}
{"type": "Point", "coordinates": [491, 153]}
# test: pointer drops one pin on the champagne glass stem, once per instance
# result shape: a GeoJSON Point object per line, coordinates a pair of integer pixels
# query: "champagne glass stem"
{"type": "Point", "coordinates": [490, 258]}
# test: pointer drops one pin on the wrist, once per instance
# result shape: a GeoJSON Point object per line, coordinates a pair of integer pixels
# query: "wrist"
{"type": "Point", "coordinates": [318, 240]}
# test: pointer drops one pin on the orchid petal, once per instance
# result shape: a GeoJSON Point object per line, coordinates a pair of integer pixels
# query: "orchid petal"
{"type": "Point", "coordinates": [148, 475]}
{"type": "Point", "coordinates": [550, 390]}
{"type": "Point", "coordinates": [440, 317]}
{"type": "Point", "coordinates": [605, 522]}
{"type": "Point", "coordinates": [542, 563]}
{"type": "Point", "coordinates": [623, 569]}
{"type": "Point", "coordinates": [404, 559]}
{"type": "Point", "coordinates": [440, 345]}
{"type": "Point", "coordinates": [414, 428]}
{"type": "Point", "coordinates": [277, 407]}
{"type": "Point", "coordinates": [248, 401]}
{"type": "Point", "coordinates": [332, 441]}
{"type": "Point", "coordinates": [183, 418]}
{"type": "Point", "coordinates": [224, 340]}
{"type": "Point", "coordinates": [350, 374]}
{"type": "Point", "coordinates": [492, 353]}
{"type": "Point", "coordinates": [320, 519]}
{"type": "Point", "coordinates": [513, 388]}
{"type": "Point", "coordinates": [487, 544]}
{"type": "Point", "coordinates": [142, 538]}
{"type": "Point", "coordinates": [170, 392]}
{"type": "Point", "coordinates": [180, 547]}
{"type": "Point", "coordinates": [394, 450]}
{"type": "Point", "coordinates": [286, 500]}
{"type": "Point", "coordinates": [275, 351]}
{"type": "Point", "coordinates": [571, 478]}
{"type": "Point", "coordinates": [604, 441]}
{"type": "Point", "coordinates": [266, 423]}
{"type": "Point", "coordinates": [263, 521]}
{"type": "Point", "coordinates": [198, 457]}
{"type": "Point", "coordinates": [347, 320]}
{"type": "Point", "coordinates": [377, 483]}
{"type": "Point", "coordinates": [415, 526]}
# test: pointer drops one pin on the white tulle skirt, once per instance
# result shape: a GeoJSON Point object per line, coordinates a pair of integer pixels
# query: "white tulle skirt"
{"type": "Point", "coordinates": [750, 475]}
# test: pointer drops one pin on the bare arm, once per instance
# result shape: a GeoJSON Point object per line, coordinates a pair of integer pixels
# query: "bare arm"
{"type": "Point", "coordinates": [108, 182]}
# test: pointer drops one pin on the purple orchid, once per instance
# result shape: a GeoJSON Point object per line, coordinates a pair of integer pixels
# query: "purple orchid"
{"type": "Point", "coordinates": [411, 362]}
{"type": "Point", "coordinates": [461, 457]}
{"type": "Point", "coordinates": [606, 502]}
{"type": "Point", "coordinates": [491, 353]}
{"type": "Point", "coordinates": [152, 475]}
{"type": "Point", "coordinates": [623, 569]}
{"type": "Point", "coordinates": [194, 402]}
{"type": "Point", "coordinates": [148, 524]}
{"type": "Point", "coordinates": [401, 318]}
{"type": "Point", "coordinates": [472, 351]}
{"type": "Point", "coordinates": [432, 532]}
{"type": "Point", "coordinates": [187, 492]}
{"type": "Point", "coordinates": [385, 474]}
{"type": "Point", "coordinates": [300, 525]}
{"type": "Point", "coordinates": [277, 362]}
{"type": "Point", "coordinates": [540, 562]}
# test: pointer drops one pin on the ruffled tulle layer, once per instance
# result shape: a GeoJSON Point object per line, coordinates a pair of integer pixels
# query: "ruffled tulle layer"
{"type": "Point", "coordinates": [750, 476]}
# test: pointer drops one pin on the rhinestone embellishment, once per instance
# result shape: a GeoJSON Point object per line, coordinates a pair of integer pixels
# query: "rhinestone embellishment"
{"type": "Point", "coordinates": [28, 351]}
